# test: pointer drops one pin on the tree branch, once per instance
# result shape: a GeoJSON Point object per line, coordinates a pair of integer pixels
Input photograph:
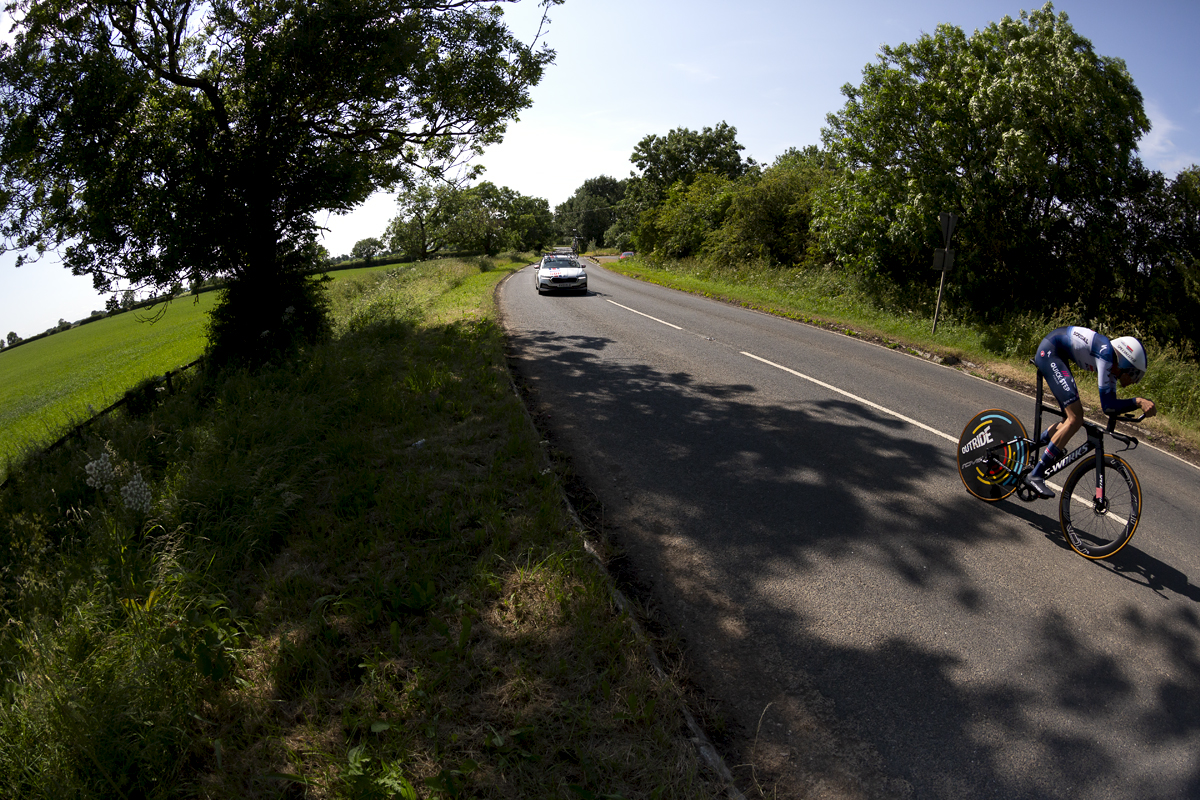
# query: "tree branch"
{"type": "Point", "coordinates": [170, 73]}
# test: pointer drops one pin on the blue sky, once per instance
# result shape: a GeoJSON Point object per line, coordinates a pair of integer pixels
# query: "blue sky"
{"type": "Point", "coordinates": [771, 68]}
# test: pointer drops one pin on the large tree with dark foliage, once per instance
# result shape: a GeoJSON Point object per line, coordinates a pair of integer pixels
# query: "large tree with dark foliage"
{"type": "Point", "coordinates": [683, 154]}
{"type": "Point", "coordinates": [154, 142]}
{"type": "Point", "coordinates": [674, 160]}
{"type": "Point", "coordinates": [1022, 129]}
{"type": "Point", "coordinates": [478, 219]}
{"type": "Point", "coordinates": [421, 227]}
{"type": "Point", "coordinates": [591, 211]}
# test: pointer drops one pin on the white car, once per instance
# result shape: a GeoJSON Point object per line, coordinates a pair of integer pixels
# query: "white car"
{"type": "Point", "coordinates": [558, 273]}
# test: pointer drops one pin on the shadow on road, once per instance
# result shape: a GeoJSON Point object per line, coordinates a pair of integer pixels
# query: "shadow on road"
{"type": "Point", "coordinates": [750, 520]}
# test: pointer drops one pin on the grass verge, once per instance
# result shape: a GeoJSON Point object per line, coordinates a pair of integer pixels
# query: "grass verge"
{"type": "Point", "coordinates": [351, 576]}
{"type": "Point", "coordinates": [997, 352]}
{"type": "Point", "coordinates": [50, 384]}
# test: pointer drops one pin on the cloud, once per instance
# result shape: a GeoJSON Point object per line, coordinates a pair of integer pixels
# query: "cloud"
{"type": "Point", "coordinates": [696, 72]}
{"type": "Point", "coordinates": [1157, 142]}
{"type": "Point", "coordinates": [1158, 147]}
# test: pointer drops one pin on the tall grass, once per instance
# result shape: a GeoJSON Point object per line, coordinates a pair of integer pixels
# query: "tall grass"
{"type": "Point", "coordinates": [50, 384]}
{"type": "Point", "coordinates": [353, 577]}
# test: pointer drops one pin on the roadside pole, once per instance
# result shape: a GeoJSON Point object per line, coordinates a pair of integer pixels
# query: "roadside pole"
{"type": "Point", "coordinates": [943, 258]}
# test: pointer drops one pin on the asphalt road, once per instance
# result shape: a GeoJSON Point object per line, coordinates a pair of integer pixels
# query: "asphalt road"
{"type": "Point", "coordinates": [789, 499]}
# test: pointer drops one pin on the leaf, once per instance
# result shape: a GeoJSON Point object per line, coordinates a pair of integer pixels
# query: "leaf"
{"type": "Point", "coordinates": [464, 635]}
{"type": "Point", "coordinates": [397, 635]}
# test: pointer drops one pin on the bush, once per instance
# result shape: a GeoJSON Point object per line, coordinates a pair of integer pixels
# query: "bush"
{"type": "Point", "coordinates": [255, 321]}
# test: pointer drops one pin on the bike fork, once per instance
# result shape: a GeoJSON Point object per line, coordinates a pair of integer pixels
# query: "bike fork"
{"type": "Point", "coordinates": [1100, 502]}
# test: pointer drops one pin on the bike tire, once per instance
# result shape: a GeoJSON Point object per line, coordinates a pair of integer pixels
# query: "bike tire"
{"type": "Point", "coordinates": [1094, 532]}
{"type": "Point", "coordinates": [997, 433]}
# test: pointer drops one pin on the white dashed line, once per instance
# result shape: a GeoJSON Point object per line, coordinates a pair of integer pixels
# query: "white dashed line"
{"type": "Point", "coordinates": [853, 397]}
{"type": "Point", "coordinates": [647, 316]}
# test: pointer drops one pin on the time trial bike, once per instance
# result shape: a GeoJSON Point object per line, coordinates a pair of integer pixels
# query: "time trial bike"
{"type": "Point", "coordinates": [1098, 516]}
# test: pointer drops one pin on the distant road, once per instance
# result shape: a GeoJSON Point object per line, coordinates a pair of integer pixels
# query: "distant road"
{"type": "Point", "coordinates": [789, 497]}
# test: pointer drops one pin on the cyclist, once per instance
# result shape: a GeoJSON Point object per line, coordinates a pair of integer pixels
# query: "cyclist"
{"type": "Point", "coordinates": [1121, 360]}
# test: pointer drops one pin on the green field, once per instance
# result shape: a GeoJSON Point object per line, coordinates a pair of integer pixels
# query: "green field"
{"type": "Point", "coordinates": [48, 385]}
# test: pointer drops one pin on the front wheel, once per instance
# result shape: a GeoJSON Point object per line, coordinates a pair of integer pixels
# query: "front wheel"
{"type": "Point", "coordinates": [1100, 521]}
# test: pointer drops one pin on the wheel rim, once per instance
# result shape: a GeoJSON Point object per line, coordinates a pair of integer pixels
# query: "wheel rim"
{"type": "Point", "coordinates": [1098, 528]}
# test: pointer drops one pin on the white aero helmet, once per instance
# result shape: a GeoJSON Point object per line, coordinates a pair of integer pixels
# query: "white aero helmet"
{"type": "Point", "coordinates": [1131, 356]}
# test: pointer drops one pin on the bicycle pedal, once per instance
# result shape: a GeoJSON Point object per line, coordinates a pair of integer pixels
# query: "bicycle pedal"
{"type": "Point", "coordinates": [1026, 494]}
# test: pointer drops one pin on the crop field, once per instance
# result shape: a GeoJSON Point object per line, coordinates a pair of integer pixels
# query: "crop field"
{"type": "Point", "coordinates": [48, 385]}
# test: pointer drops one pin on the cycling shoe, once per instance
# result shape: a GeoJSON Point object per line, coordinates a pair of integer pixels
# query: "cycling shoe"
{"type": "Point", "coordinates": [1038, 485]}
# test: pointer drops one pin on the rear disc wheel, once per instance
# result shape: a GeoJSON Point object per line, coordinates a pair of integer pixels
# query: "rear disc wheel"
{"type": "Point", "coordinates": [992, 452]}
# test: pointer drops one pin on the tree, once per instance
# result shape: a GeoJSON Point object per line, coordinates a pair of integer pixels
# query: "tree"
{"type": "Point", "coordinates": [770, 214]}
{"type": "Point", "coordinates": [477, 222]}
{"type": "Point", "coordinates": [591, 210]}
{"type": "Point", "coordinates": [1021, 128]}
{"type": "Point", "coordinates": [420, 228]}
{"type": "Point", "coordinates": [366, 249]}
{"type": "Point", "coordinates": [1157, 288]}
{"type": "Point", "coordinates": [486, 218]}
{"type": "Point", "coordinates": [665, 161]}
{"type": "Point", "coordinates": [680, 226]}
{"type": "Point", "coordinates": [13, 339]}
{"type": "Point", "coordinates": [530, 223]}
{"type": "Point", "coordinates": [682, 154]}
{"type": "Point", "coordinates": [158, 140]}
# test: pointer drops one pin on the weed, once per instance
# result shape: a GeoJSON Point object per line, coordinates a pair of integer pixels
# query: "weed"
{"type": "Point", "coordinates": [353, 578]}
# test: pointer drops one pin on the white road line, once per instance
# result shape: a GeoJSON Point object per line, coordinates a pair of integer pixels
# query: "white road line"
{"type": "Point", "coordinates": [877, 407]}
{"type": "Point", "coordinates": [834, 389]}
{"type": "Point", "coordinates": [854, 397]}
{"type": "Point", "coordinates": [647, 316]}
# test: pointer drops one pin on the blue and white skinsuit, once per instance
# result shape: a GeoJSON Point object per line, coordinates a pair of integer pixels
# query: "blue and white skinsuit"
{"type": "Point", "coordinates": [1089, 350]}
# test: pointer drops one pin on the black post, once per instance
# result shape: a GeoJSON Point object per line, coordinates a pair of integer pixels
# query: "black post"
{"type": "Point", "coordinates": [943, 259]}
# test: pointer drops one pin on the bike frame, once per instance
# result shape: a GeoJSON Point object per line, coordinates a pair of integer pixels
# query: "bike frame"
{"type": "Point", "coordinates": [1095, 441]}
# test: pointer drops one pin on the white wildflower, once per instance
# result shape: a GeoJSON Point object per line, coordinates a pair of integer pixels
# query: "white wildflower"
{"type": "Point", "coordinates": [136, 494]}
{"type": "Point", "coordinates": [101, 474]}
